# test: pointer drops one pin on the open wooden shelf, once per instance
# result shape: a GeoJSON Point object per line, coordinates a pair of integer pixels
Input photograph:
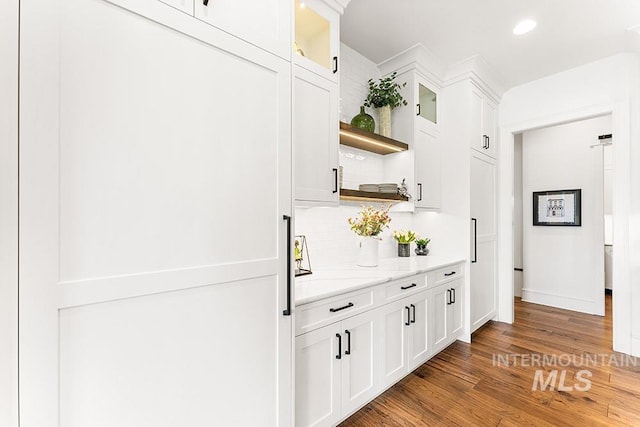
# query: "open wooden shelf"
{"type": "Point", "coordinates": [369, 196]}
{"type": "Point", "coordinates": [369, 141]}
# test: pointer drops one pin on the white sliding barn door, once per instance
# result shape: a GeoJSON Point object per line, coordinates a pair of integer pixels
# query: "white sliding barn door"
{"type": "Point", "coordinates": [154, 175]}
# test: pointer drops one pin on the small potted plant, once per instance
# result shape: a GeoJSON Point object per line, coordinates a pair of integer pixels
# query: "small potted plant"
{"type": "Point", "coordinates": [404, 240]}
{"type": "Point", "coordinates": [369, 225]}
{"type": "Point", "coordinates": [385, 96]}
{"type": "Point", "coordinates": [421, 244]}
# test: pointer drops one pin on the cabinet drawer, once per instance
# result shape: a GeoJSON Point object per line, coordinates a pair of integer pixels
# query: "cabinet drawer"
{"type": "Point", "coordinates": [445, 274]}
{"type": "Point", "coordinates": [402, 288]}
{"type": "Point", "coordinates": [317, 314]}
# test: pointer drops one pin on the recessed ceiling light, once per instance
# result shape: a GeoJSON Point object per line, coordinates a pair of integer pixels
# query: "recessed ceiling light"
{"type": "Point", "coordinates": [524, 26]}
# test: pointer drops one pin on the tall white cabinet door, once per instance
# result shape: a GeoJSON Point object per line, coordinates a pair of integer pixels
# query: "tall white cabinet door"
{"type": "Point", "coordinates": [489, 127]}
{"type": "Point", "coordinates": [483, 244]}
{"type": "Point", "coordinates": [140, 304]}
{"type": "Point", "coordinates": [359, 363]}
{"type": "Point", "coordinates": [428, 170]}
{"type": "Point", "coordinates": [318, 373]}
{"type": "Point", "coordinates": [315, 136]}
{"type": "Point", "coordinates": [264, 23]}
{"type": "Point", "coordinates": [478, 142]}
{"type": "Point", "coordinates": [395, 332]}
{"type": "Point", "coordinates": [184, 5]}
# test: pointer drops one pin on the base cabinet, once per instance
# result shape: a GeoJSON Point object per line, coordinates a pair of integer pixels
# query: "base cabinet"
{"type": "Point", "coordinates": [342, 366]}
{"type": "Point", "coordinates": [447, 312]}
{"type": "Point", "coordinates": [336, 370]}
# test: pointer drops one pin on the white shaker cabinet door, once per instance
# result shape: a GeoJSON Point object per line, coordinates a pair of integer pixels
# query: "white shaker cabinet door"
{"type": "Point", "coordinates": [263, 23]}
{"type": "Point", "coordinates": [395, 333]}
{"type": "Point", "coordinates": [419, 346]}
{"type": "Point", "coordinates": [140, 303]}
{"type": "Point", "coordinates": [361, 343]}
{"type": "Point", "coordinates": [315, 138]}
{"type": "Point", "coordinates": [318, 374]}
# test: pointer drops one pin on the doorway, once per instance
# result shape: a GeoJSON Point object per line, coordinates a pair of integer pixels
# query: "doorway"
{"type": "Point", "coordinates": [561, 263]}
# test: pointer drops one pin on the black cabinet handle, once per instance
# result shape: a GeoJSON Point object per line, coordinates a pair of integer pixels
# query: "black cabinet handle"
{"type": "Point", "coordinates": [205, 2]}
{"type": "Point", "coordinates": [339, 355]}
{"type": "Point", "coordinates": [335, 180]}
{"type": "Point", "coordinates": [419, 192]}
{"type": "Point", "coordinates": [348, 350]}
{"type": "Point", "coordinates": [287, 311]}
{"type": "Point", "coordinates": [448, 296]}
{"type": "Point", "coordinates": [453, 292]}
{"type": "Point", "coordinates": [335, 64]}
{"type": "Point", "coordinates": [413, 310]}
{"type": "Point", "coordinates": [488, 142]}
{"type": "Point", "coordinates": [404, 288]}
{"type": "Point", "coordinates": [408, 316]}
{"type": "Point", "coordinates": [450, 274]}
{"type": "Point", "coordinates": [335, 310]}
{"type": "Point", "coordinates": [418, 109]}
{"type": "Point", "coordinates": [475, 240]}
{"type": "Point", "coordinates": [485, 144]}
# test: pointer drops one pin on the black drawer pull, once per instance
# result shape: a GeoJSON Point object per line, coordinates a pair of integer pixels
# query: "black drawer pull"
{"type": "Point", "coordinates": [339, 355]}
{"type": "Point", "coordinates": [404, 288]}
{"type": "Point", "coordinates": [450, 274]}
{"type": "Point", "coordinates": [334, 310]}
{"type": "Point", "coordinates": [348, 350]}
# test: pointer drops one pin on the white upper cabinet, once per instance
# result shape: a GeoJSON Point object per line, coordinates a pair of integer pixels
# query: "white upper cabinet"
{"type": "Point", "coordinates": [316, 41]}
{"type": "Point", "coordinates": [426, 96]}
{"type": "Point", "coordinates": [483, 123]}
{"type": "Point", "coordinates": [264, 23]}
{"type": "Point", "coordinates": [315, 136]}
{"type": "Point", "coordinates": [428, 164]}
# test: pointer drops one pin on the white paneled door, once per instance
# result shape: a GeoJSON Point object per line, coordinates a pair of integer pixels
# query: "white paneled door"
{"type": "Point", "coordinates": [155, 173]}
{"type": "Point", "coordinates": [484, 238]}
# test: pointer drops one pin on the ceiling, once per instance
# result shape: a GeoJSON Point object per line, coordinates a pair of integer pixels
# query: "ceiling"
{"type": "Point", "coordinates": [569, 32]}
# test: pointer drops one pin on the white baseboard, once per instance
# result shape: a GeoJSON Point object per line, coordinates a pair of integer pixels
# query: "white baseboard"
{"type": "Point", "coordinates": [560, 301]}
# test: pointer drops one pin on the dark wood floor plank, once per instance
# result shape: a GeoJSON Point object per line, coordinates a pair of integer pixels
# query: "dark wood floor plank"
{"type": "Point", "coordinates": [462, 386]}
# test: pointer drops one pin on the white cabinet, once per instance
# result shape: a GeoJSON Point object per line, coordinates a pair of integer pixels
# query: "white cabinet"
{"type": "Point", "coordinates": [448, 303]}
{"type": "Point", "coordinates": [428, 169]}
{"type": "Point", "coordinates": [316, 139]}
{"type": "Point", "coordinates": [264, 23]}
{"type": "Point", "coordinates": [184, 5]}
{"type": "Point", "coordinates": [317, 40]}
{"type": "Point", "coordinates": [405, 340]}
{"type": "Point", "coordinates": [483, 125]}
{"type": "Point", "coordinates": [483, 240]}
{"type": "Point", "coordinates": [336, 369]}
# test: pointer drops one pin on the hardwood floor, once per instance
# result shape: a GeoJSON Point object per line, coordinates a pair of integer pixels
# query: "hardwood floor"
{"type": "Point", "coordinates": [461, 385]}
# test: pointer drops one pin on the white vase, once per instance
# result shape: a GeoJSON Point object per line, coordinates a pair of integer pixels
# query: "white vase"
{"type": "Point", "coordinates": [384, 121]}
{"type": "Point", "coordinates": [368, 251]}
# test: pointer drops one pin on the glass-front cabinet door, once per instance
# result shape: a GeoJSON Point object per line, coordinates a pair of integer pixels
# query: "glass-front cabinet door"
{"type": "Point", "coordinates": [315, 46]}
{"type": "Point", "coordinates": [427, 103]}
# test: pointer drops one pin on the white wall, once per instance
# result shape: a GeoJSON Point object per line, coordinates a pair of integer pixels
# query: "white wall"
{"type": "Point", "coordinates": [355, 71]}
{"type": "Point", "coordinates": [564, 266]}
{"type": "Point", "coordinates": [8, 213]}
{"type": "Point", "coordinates": [518, 278]}
{"type": "Point", "coordinates": [610, 85]}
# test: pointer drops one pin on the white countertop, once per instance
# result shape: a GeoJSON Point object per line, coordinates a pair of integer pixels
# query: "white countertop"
{"type": "Point", "coordinates": [340, 279]}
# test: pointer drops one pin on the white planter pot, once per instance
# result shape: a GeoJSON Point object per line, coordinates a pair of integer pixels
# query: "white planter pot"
{"type": "Point", "coordinates": [368, 251]}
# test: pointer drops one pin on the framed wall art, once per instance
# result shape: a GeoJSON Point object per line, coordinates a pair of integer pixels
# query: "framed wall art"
{"type": "Point", "coordinates": [557, 208]}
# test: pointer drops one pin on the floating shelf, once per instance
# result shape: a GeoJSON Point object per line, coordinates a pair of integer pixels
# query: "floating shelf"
{"type": "Point", "coordinates": [369, 196]}
{"type": "Point", "coordinates": [369, 141]}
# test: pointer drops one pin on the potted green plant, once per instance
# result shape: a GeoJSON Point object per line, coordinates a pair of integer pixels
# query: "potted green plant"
{"type": "Point", "coordinates": [404, 240]}
{"type": "Point", "coordinates": [369, 224]}
{"type": "Point", "coordinates": [421, 244]}
{"type": "Point", "coordinates": [385, 96]}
